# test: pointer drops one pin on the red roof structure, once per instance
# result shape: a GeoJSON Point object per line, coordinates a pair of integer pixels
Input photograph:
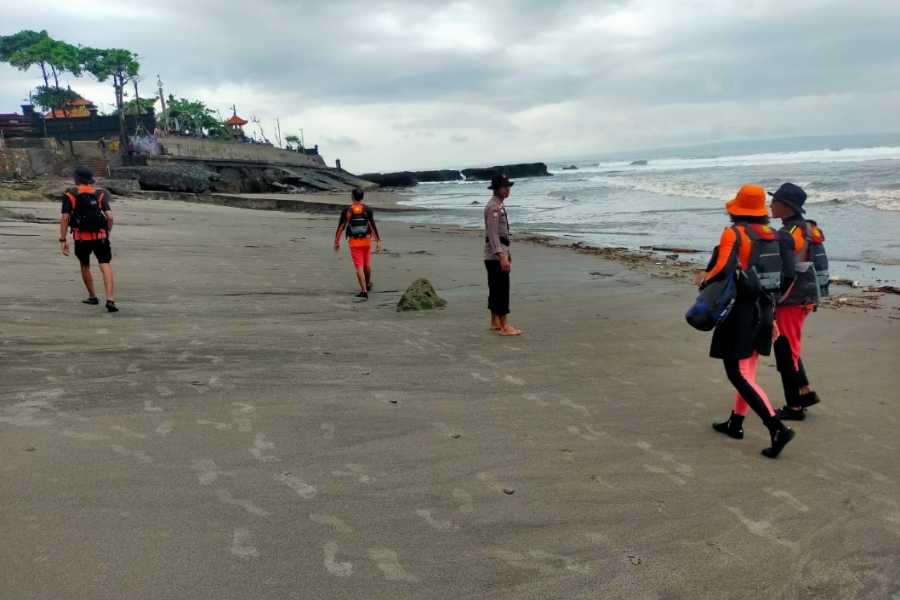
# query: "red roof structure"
{"type": "Point", "coordinates": [236, 121]}
{"type": "Point", "coordinates": [79, 108]}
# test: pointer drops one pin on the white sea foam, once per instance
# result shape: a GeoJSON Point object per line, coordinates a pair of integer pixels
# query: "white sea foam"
{"type": "Point", "coordinates": [771, 158]}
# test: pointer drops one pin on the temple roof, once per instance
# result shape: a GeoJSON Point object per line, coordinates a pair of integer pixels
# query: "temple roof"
{"type": "Point", "coordinates": [79, 108]}
{"type": "Point", "coordinates": [236, 121]}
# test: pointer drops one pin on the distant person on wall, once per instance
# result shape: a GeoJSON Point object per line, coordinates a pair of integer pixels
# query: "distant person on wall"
{"type": "Point", "coordinates": [497, 257]}
{"type": "Point", "coordinates": [86, 211]}
{"type": "Point", "coordinates": [359, 223]}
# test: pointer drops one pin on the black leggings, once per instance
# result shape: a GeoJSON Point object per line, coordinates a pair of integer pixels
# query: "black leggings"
{"type": "Point", "coordinates": [498, 288]}
{"type": "Point", "coordinates": [747, 392]}
{"type": "Point", "coordinates": [791, 379]}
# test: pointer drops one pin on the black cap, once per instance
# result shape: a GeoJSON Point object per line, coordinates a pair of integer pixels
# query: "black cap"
{"type": "Point", "coordinates": [790, 195]}
{"type": "Point", "coordinates": [83, 174]}
{"type": "Point", "coordinates": [500, 180]}
{"type": "Point", "coordinates": [357, 194]}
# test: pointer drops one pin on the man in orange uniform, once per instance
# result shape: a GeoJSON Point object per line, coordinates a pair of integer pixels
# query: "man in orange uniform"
{"type": "Point", "coordinates": [85, 209]}
{"type": "Point", "coordinates": [359, 223]}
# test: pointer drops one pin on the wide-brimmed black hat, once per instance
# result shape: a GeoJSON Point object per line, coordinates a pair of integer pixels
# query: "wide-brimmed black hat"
{"type": "Point", "coordinates": [83, 174]}
{"type": "Point", "coordinates": [500, 180]}
{"type": "Point", "coordinates": [790, 195]}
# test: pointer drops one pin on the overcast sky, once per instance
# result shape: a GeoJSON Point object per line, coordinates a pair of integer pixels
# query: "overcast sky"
{"type": "Point", "coordinates": [405, 85]}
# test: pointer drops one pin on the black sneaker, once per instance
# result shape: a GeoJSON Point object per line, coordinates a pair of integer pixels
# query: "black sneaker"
{"type": "Point", "coordinates": [780, 439]}
{"type": "Point", "coordinates": [363, 295]}
{"type": "Point", "coordinates": [111, 306]}
{"type": "Point", "coordinates": [809, 399]}
{"type": "Point", "coordinates": [93, 300]}
{"type": "Point", "coordinates": [733, 427]}
{"type": "Point", "coordinates": [786, 413]}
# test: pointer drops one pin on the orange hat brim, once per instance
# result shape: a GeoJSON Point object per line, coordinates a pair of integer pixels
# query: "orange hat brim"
{"type": "Point", "coordinates": [736, 210]}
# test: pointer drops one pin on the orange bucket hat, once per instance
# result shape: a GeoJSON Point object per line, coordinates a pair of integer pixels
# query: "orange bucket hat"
{"type": "Point", "coordinates": [750, 201]}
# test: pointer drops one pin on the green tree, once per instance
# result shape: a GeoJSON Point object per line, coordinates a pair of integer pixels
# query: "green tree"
{"type": "Point", "coordinates": [26, 49]}
{"type": "Point", "coordinates": [139, 106]}
{"type": "Point", "coordinates": [49, 97]}
{"type": "Point", "coordinates": [121, 66]}
{"type": "Point", "coordinates": [195, 116]}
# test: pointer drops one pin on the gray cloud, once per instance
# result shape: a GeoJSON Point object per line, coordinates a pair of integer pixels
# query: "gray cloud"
{"type": "Point", "coordinates": [388, 83]}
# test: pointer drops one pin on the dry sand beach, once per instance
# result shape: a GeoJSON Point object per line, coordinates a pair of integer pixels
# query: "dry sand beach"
{"type": "Point", "coordinates": [245, 429]}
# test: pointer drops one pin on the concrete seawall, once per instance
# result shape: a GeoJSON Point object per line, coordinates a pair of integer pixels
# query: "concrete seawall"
{"type": "Point", "coordinates": [199, 149]}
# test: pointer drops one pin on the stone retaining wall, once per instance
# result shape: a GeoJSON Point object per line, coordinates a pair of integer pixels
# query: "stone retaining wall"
{"type": "Point", "coordinates": [199, 149]}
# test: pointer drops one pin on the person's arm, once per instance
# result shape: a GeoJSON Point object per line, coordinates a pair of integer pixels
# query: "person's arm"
{"type": "Point", "coordinates": [107, 211]}
{"type": "Point", "coordinates": [492, 233]}
{"type": "Point", "coordinates": [788, 260]}
{"type": "Point", "coordinates": [726, 248]}
{"type": "Point", "coordinates": [371, 217]}
{"type": "Point", "coordinates": [64, 219]}
{"type": "Point", "coordinates": [342, 223]}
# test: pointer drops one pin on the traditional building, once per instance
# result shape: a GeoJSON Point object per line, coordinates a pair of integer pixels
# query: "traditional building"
{"type": "Point", "coordinates": [236, 124]}
{"type": "Point", "coordinates": [78, 108]}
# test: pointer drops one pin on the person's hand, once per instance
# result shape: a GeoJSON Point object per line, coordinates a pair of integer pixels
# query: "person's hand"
{"type": "Point", "coordinates": [378, 247]}
{"type": "Point", "coordinates": [776, 333]}
{"type": "Point", "coordinates": [505, 265]}
{"type": "Point", "coordinates": [64, 248]}
{"type": "Point", "coordinates": [698, 277]}
{"type": "Point", "coordinates": [337, 246]}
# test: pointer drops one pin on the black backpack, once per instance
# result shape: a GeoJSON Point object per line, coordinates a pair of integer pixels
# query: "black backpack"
{"type": "Point", "coordinates": [87, 210]}
{"type": "Point", "coordinates": [765, 259]}
{"type": "Point", "coordinates": [357, 223]}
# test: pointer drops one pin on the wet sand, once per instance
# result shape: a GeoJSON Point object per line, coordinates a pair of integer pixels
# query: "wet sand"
{"type": "Point", "coordinates": [245, 428]}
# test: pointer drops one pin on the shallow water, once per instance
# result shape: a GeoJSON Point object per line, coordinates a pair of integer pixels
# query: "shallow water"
{"type": "Point", "coordinates": [854, 194]}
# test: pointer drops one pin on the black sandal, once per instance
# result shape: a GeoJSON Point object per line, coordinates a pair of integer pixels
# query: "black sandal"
{"type": "Point", "coordinates": [93, 301]}
{"type": "Point", "coordinates": [111, 306]}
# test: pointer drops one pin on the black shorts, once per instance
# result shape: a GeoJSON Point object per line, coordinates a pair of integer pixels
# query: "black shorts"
{"type": "Point", "coordinates": [100, 248]}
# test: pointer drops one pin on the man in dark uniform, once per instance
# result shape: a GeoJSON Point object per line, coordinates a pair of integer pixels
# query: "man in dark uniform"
{"type": "Point", "coordinates": [497, 257]}
{"type": "Point", "coordinates": [86, 210]}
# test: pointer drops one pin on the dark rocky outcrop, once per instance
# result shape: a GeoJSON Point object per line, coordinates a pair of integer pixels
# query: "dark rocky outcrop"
{"type": "Point", "coordinates": [442, 175]}
{"type": "Point", "coordinates": [402, 179]}
{"type": "Point", "coordinates": [570, 168]}
{"type": "Point", "coordinates": [512, 171]}
{"type": "Point", "coordinates": [420, 296]}
{"type": "Point", "coordinates": [639, 163]}
{"type": "Point", "coordinates": [172, 178]}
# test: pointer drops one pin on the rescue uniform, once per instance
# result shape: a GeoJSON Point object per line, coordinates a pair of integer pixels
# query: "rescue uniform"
{"type": "Point", "coordinates": [87, 242]}
{"type": "Point", "coordinates": [496, 244]}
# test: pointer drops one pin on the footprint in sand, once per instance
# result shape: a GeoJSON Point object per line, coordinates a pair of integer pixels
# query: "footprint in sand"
{"type": "Point", "coordinates": [139, 455]}
{"type": "Point", "coordinates": [327, 431]}
{"type": "Point", "coordinates": [787, 497]}
{"type": "Point", "coordinates": [151, 408]}
{"type": "Point", "coordinates": [208, 471]}
{"type": "Point", "coordinates": [658, 470]}
{"type": "Point", "coordinates": [465, 501]}
{"type": "Point", "coordinates": [536, 398]}
{"type": "Point", "coordinates": [164, 391]}
{"type": "Point", "coordinates": [241, 546]}
{"type": "Point", "coordinates": [589, 434]}
{"type": "Point", "coordinates": [479, 377]}
{"type": "Point", "coordinates": [302, 489]}
{"type": "Point", "coordinates": [579, 408]}
{"type": "Point", "coordinates": [214, 424]}
{"type": "Point", "coordinates": [332, 565]}
{"type": "Point", "coordinates": [133, 368]}
{"type": "Point", "coordinates": [681, 468]}
{"type": "Point", "coordinates": [763, 529]}
{"type": "Point", "coordinates": [514, 380]}
{"type": "Point", "coordinates": [331, 521]}
{"type": "Point", "coordinates": [388, 563]}
{"type": "Point", "coordinates": [165, 428]}
{"type": "Point", "coordinates": [357, 472]}
{"type": "Point", "coordinates": [225, 497]}
{"type": "Point", "coordinates": [261, 445]}
{"type": "Point", "coordinates": [427, 515]}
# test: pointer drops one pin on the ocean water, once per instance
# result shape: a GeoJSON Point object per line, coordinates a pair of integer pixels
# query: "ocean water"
{"type": "Point", "coordinates": [678, 201]}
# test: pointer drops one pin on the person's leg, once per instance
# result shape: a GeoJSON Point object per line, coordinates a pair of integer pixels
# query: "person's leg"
{"type": "Point", "coordinates": [502, 306]}
{"type": "Point", "coordinates": [109, 281]}
{"type": "Point", "coordinates": [357, 254]}
{"type": "Point", "coordinates": [742, 375]}
{"type": "Point", "coordinates": [493, 268]}
{"type": "Point", "coordinates": [788, 347]}
{"type": "Point", "coordinates": [88, 280]}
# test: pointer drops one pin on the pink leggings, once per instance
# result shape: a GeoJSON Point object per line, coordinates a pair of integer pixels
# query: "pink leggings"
{"type": "Point", "coordinates": [742, 375]}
